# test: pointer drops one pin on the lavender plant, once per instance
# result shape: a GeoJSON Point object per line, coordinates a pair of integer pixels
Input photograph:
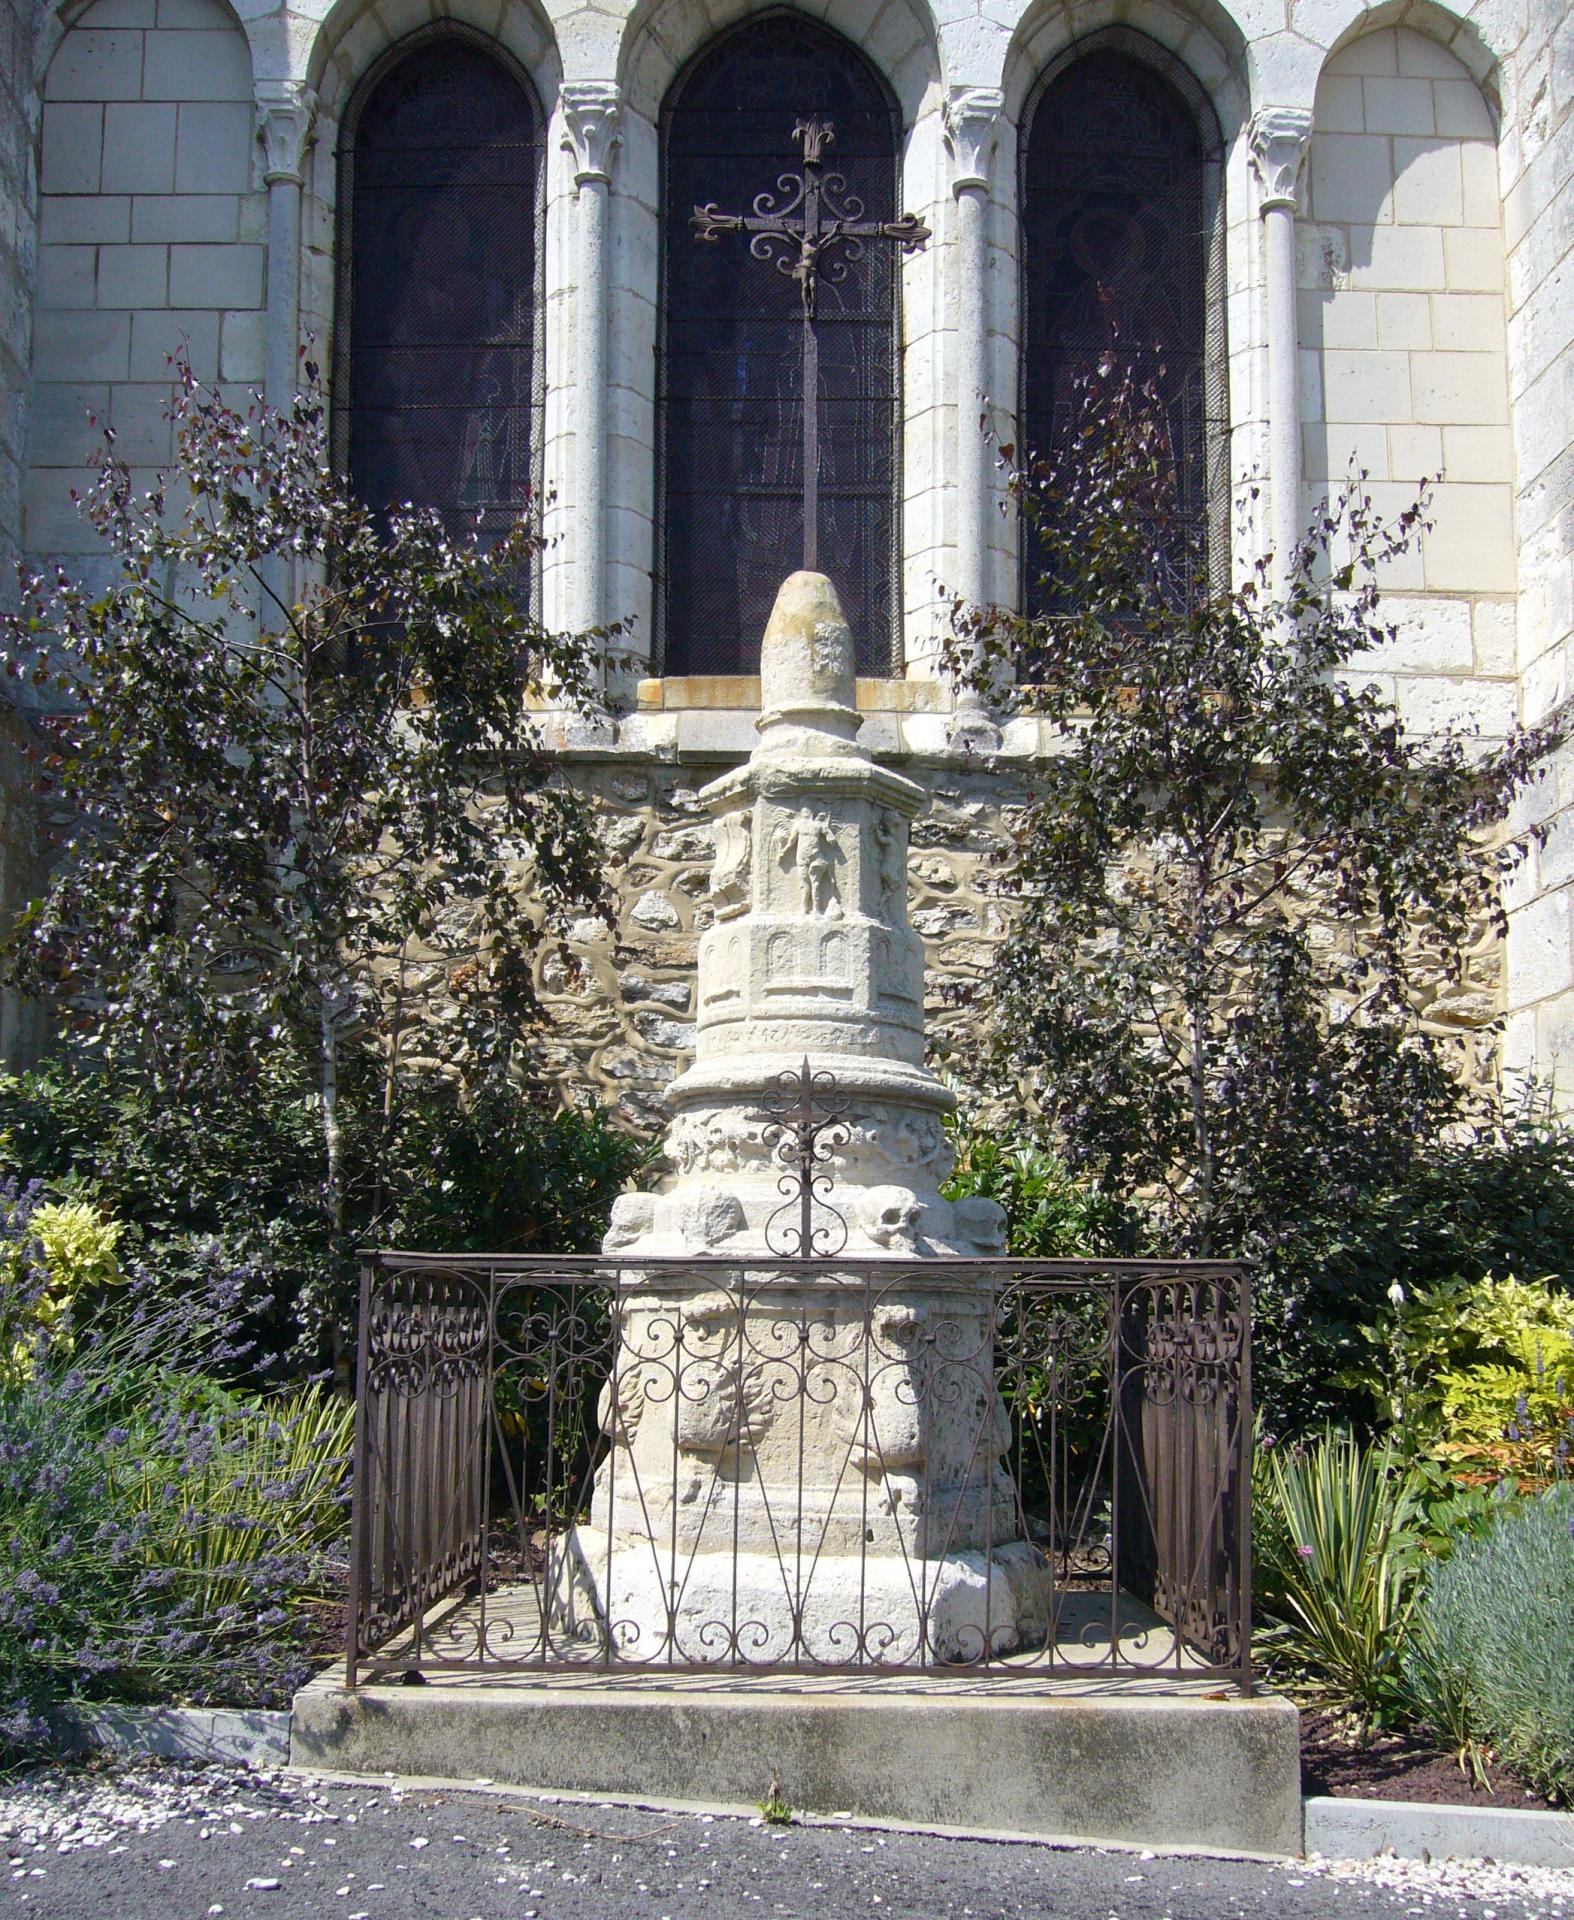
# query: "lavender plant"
{"type": "Point", "coordinates": [272, 795]}
{"type": "Point", "coordinates": [165, 1537]}
{"type": "Point", "coordinates": [1501, 1608]}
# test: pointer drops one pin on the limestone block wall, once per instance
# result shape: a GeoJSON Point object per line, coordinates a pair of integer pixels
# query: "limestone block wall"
{"type": "Point", "coordinates": [1404, 361]}
{"type": "Point", "coordinates": [18, 252]}
{"type": "Point", "coordinates": [1537, 161]}
{"type": "Point", "coordinates": [151, 236]}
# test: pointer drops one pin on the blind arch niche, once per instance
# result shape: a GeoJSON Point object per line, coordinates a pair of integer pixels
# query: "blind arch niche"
{"type": "Point", "coordinates": [731, 416]}
{"type": "Point", "coordinates": [1123, 239]}
{"type": "Point", "coordinates": [437, 381]}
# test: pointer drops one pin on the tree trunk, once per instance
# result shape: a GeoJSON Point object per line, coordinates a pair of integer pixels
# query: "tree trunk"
{"type": "Point", "coordinates": [333, 1185]}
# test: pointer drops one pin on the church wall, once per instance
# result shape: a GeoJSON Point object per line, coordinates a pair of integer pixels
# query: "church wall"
{"type": "Point", "coordinates": [151, 236]}
{"type": "Point", "coordinates": [1403, 359]}
{"type": "Point", "coordinates": [622, 1016]}
{"type": "Point", "coordinates": [1436, 214]}
{"type": "Point", "coordinates": [18, 254]}
{"type": "Point", "coordinates": [1538, 179]}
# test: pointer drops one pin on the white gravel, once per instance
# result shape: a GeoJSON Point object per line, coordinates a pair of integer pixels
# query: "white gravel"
{"type": "Point", "coordinates": [1438, 1886]}
{"type": "Point", "coordinates": [62, 1811]}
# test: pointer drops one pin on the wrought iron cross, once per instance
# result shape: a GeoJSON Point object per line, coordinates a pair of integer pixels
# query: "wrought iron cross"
{"type": "Point", "coordinates": [805, 1123]}
{"type": "Point", "coordinates": [811, 229]}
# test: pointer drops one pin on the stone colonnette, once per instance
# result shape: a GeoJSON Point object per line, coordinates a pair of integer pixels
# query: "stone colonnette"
{"type": "Point", "coordinates": [806, 1464]}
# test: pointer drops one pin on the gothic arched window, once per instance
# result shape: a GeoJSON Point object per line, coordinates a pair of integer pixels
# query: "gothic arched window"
{"type": "Point", "coordinates": [731, 369]}
{"type": "Point", "coordinates": [437, 371]}
{"type": "Point", "coordinates": [1122, 246]}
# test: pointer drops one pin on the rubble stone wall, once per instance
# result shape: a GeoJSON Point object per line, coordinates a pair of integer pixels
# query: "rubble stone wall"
{"type": "Point", "coordinates": [624, 1027]}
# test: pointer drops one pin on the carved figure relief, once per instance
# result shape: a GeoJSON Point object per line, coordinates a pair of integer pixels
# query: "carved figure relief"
{"type": "Point", "coordinates": [891, 971]}
{"type": "Point", "coordinates": [883, 1424]}
{"type": "Point", "coordinates": [729, 881]}
{"type": "Point", "coordinates": [722, 1396]}
{"type": "Point", "coordinates": [890, 865]}
{"type": "Point", "coordinates": [808, 843]}
{"type": "Point", "coordinates": [633, 1216]}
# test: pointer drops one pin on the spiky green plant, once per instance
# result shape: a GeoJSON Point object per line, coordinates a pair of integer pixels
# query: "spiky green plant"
{"type": "Point", "coordinates": [1338, 1552]}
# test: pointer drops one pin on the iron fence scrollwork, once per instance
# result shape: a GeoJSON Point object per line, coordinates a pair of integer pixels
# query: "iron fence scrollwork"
{"type": "Point", "coordinates": [802, 1463]}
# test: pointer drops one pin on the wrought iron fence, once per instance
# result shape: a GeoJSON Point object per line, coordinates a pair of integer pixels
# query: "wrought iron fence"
{"type": "Point", "coordinates": [822, 1465]}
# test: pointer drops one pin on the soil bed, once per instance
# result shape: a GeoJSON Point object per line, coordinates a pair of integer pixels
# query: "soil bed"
{"type": "Point", "coordinates": [1398, 1766]}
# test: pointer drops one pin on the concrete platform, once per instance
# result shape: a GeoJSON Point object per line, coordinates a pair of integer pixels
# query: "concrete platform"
{"type": "Point", "coordinates": [1168, 1763]}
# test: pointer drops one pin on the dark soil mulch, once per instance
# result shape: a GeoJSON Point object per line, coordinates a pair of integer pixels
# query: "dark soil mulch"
{"type": "Point", "coordinates": [1397, 1766]}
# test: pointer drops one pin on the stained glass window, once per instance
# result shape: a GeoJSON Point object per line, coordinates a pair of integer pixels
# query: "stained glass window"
{"type": "Point", "coordinates": [436, 393]}
{"type": "Point", "coordinates": [1120, 207]}
{"type": "Point", "coordinates": [731, 368]}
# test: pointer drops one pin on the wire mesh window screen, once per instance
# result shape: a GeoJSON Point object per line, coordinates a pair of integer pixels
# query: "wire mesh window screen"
{"type": "Point", "coordinates": [1122, 250]}
{"type": "Point", "coordinates": [437, 389]}
{"type": "Point", "coordinates": [732, 375]}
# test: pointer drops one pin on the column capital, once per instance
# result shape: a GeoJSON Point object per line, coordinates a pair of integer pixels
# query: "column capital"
{"type": "Point", "coordinates": [591, 109]}
{"type": "Point", "coordinates": [972, 128]}
{"type": "Point", "coordinates": [1279, 137]}
{"type": "Point", "coordinates": [286, 113]}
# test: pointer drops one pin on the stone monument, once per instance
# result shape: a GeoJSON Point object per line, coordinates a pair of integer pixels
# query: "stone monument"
{"type": "Point", "coordinates": [805, 1459]}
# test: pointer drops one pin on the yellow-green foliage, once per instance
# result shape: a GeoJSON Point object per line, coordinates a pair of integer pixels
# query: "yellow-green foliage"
{"type": "Point", "coordinates": [1462, 1363]}
{"type": "Point", "coordinates": [78, 1246]}
{"type": "Point", "coordinates": [1517, 1343]}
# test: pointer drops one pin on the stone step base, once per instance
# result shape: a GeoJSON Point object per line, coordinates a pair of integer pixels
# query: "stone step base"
{"type": "Point", "coordinates": [1133, 1762]}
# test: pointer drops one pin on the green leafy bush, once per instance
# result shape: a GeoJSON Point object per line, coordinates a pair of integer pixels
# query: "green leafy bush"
{"type": "Point", "coordinates": [225, 1187]}
{"type": "Point", "coordinates": [52, 1254]}
{"type": "Point", "coordinates": [1051, 1214]}
{"type": "Point", "coordinates": [1499, 1201]}
{"type": "Point", "coordinates": [1500, 1612]}
{"type": "Point", "coordinates": [1467, 1363]}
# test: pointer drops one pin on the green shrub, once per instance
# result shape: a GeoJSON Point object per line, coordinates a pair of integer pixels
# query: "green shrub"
{"type": "Point", "coordinates": [1500, 1201]}
{"type": "Point", "coordinates": [1336, 1542]}
{"type": "Point", "coordinates": [1501, 1609]}
{"type": "Point", "coordinates": [226, 1189]}
{"type": "Point", "coordinates": [1051, 1214]}
{"type": "Point", "coordinates": [1466, 1363]}
{"type": "Point", "coordinates": [52, 1255]}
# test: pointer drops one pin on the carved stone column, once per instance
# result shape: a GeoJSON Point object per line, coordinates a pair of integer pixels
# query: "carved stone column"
{"type": "Point", "coordinates": [286, 111]}
{"type": "Point", "coordinates": [805, 1460]}
{"type": "Point", "coordinates": [590, 113]}
{"type": "Point", "coordinates": [972, 128]}
{"type": "Point", "coordinates": [286, 115]}
{"type": "Point", "coordinates": [1279, 137]}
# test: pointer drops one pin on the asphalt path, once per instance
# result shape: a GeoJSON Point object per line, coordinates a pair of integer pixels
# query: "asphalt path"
{"type": "Point", "coordinates": [278, 1847]}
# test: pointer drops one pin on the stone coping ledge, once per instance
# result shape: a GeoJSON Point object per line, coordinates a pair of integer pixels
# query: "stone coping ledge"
{"type": "Point", "coordinates": [1351, 1829]}
{"type": "Point", "coordinates": [1166, 1768]}
{"type": "Point", "coordinates": [740, 692]}
{"type": "Point", "coordinates": [230, 1736]}
{"type": "Point", "coordinates": [1337, 1828]}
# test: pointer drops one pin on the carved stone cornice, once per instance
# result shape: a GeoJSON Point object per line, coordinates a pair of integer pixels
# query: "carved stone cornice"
{"type": "Point", "coordinates": [286, 113]}
{"type": "Point", "coordinates": [972, 129]}
{"type": "Point", "coordinates": [591, 109]}
{"type": "Point", "coordinates": [1279, 137]}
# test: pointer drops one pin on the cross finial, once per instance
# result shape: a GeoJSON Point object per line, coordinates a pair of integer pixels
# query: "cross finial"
{"type": "Point", "coordinates": [815, 135]}
{"type": "Point", "coordinates": [813, 230]}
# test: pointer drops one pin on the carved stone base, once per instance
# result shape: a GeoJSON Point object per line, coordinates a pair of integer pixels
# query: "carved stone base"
{"type": "Point", "coordinates": [839, 1609]}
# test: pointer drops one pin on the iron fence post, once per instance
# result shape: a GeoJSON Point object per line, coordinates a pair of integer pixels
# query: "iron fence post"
{"type": "Point", "coordinates": [359, 1472]}
{"type": "Point", "coordinates": [1246, 1447]}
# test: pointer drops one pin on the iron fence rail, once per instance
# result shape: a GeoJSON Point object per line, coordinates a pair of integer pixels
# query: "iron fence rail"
{"type": "Point", "coordinates": [882, 1466]}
